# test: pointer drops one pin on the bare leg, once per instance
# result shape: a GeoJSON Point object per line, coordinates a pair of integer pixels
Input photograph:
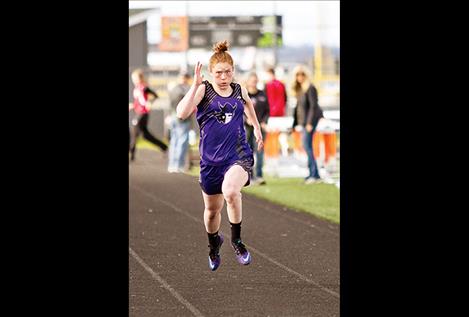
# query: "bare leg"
{"type": "Point", "coordinates": [212, 212]}
{"type": "Point", "coordinates": [235, 178]}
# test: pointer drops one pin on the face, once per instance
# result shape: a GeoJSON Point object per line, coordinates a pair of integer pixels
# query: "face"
{"type": "Point", "coordinates": [270, 76]}
{"type": "Point", "coordinates": [252, 82]}
{"type": "Point", "coordinates": [222, 74]}
{"type": "Point", "coordinates": [300, 77]}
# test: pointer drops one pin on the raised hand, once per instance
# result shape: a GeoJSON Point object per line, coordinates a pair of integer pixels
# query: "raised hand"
{"type": "Point", "coordinates": [198, 77]}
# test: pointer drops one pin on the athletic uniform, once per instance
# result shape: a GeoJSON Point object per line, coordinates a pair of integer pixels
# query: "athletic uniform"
{"type": "Point", "coordinates": [222, 137]}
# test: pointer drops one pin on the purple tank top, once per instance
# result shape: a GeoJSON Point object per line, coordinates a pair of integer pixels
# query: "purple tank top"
{"type": "Point", "coordinates": [222, 135]}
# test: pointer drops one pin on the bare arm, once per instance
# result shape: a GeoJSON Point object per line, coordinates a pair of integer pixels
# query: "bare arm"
{"type": "Point", "coordinates": [189, 103]}
{"type": "Point", "coordinates": [251, 114]}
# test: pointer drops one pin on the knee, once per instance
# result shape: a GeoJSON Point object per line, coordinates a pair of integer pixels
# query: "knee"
{"type": "Point", "coordinates": [211, 213]}
{"type": "Point", "coordinates": [230, 194]}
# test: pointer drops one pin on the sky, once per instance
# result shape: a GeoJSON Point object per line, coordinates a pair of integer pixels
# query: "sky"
{"type": "Point", "coordinates": [304, 22]}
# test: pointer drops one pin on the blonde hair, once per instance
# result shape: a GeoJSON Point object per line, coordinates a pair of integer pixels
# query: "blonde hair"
{"type": "Point", "coordinates": [220, 55]}
{"type": "Point", "coordinates": [137, 75]}
{"type": "Point", "coordinates": [296, 87]}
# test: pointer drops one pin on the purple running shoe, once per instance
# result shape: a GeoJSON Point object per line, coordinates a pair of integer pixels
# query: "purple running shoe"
{"type": "Point", "coordinates": [214, 259]}
{"type": "Point", "coordinates": [242, 254]}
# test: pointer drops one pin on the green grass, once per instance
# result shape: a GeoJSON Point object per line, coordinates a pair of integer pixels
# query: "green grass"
{"type": "Point", "coordinates": [194, 171]}
{"type": "Point", "coordinates": [144, 144]}
{"type": "Point", "coordinates": [321, 200]}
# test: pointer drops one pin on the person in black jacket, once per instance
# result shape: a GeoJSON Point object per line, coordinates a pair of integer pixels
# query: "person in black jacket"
{"type": "Point", "coordinates": [306, 117]}
{"type": "Point", "coordinates": [261, 106]}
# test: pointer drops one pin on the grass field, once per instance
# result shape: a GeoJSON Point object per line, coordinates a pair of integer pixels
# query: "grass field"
{"type": "Point", "coordinates": [144, 144]}
{"type": "Point", "coordinates": [322, 200]}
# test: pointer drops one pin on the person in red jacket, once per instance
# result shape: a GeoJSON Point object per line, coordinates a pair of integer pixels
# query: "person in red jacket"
{"type": "Point", "coordinates": [276, 95]}
{"type": "Point", "coordinates": [142, 95]}
{"type": "Point", "coordinates": [277, 98]}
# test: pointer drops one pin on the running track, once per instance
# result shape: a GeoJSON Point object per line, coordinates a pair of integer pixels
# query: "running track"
{"type": "Point", "coordinates": [295, 256]}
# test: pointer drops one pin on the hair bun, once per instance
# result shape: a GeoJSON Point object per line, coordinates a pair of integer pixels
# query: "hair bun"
{"type": "Point", "coordinates": [221, 46]}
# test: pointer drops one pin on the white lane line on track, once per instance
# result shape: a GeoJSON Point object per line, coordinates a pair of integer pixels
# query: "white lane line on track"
{"type": "Point", "coordinates": [265, 256]}
{"type": "Point", "coordinates": [165, 284]}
